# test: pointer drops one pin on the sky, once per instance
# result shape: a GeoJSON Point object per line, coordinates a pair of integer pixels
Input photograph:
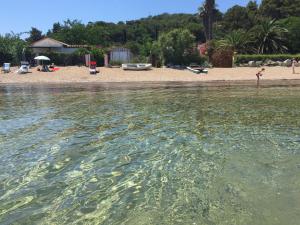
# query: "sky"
{"type": "Point", "coordinates": [19, 15]}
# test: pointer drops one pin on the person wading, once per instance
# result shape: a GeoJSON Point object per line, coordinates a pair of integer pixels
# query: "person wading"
{"type": "Point", "coordinates": [259, 75]}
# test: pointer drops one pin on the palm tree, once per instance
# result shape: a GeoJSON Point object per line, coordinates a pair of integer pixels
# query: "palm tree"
{"type": "Point", "coordinates": [207, 13]}
{"type": "Point", "coordinates": [237, 41]}
{"type": "Point", "coordinates": [270, 37]}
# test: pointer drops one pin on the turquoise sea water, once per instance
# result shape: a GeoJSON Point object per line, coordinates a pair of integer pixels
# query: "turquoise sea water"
{"type": "Point", "coordinates": [152, 156]}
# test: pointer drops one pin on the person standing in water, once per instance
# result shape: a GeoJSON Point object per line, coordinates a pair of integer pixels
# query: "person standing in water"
{"type": "Point", "coordinates": [294, 65]}
{"type": "Point", "coordinates": [259, 75]}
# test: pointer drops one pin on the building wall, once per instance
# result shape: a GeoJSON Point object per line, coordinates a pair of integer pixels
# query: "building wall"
{"type": "Point", "coordinates": [120, 55]}
{"type": "Point", "coordinates": [57, 50]}
{"type": "Point", "coordinates": [67, 50]}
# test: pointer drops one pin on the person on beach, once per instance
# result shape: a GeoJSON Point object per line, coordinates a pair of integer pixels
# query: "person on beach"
{"type": "Point", "coordinates": [52, 66]}
{"type": "Point", "coordinates": [294, 61]}
{"type": "Point", "coordinates": [260, 74]}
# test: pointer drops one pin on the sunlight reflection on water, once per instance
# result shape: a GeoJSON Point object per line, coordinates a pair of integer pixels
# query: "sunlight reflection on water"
{"type": "Point", "coordinates": [151, 156]}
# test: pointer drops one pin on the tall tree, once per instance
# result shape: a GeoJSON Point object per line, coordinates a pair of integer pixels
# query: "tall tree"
{"type": "Point", "coordinates": [270, 37]}
{"type": "Point", "coordinates": [237, 17]}
{"type": "Point", "coordinates": [293, 26]}
{"type": "Point", "coordinates": [278, 9]}
{"type": "Point", "coordinates": [207, 13]}
{"type": "Point", "coordinates": [253, 12]}
{"type": "Point", "coordinates": [236, 41]}
{"type": "Point", "coordinates": [11, 47]}
{"type": "Point", "coordinates": [56, 27]}
{"type": "Point", "coordinates": [34, 35]}
{"type": "Point", "coordinates": [252, 6]}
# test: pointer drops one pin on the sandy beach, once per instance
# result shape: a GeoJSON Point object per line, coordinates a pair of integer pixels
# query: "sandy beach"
{"type": "Point", "coordinates": [69, 75]}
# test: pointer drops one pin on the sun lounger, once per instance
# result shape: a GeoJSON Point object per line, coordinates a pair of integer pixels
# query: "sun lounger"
{"type": "Point", "coordinates": [197, 69]}
{"type": "Point", "coordinates": [6, 67]}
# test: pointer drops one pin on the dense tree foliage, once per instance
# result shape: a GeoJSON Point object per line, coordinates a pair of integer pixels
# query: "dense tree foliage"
{"type": "Point", "coordinates": [238, 41]}
{"type": "Point", "coordinates": [34, 35]}
{"type": "Point", "coordinates": [292, 24]}
{"type": "Point", "coordinates": [137, 31]}
{"type": "Point", "coordinates": [139, 35]}
{"type": "Point", "coordinates": [268, 28]}
{"type": "Point", "coordinates": [236, 18]}
{"type": "Point", "coordinates": [11, 48]}
{"type": "Point", "coordinates": [270, 37]}
{"type": "Point", "coordinates": [177, 47]}
{"type": "Point", "coordinates": [279, 9]}
{"type": "Point", "coordinates": [208, 14]}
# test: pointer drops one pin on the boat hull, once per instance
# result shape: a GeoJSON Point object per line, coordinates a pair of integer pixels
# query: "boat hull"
{"type": "Point", "coordinates": [136, 67]}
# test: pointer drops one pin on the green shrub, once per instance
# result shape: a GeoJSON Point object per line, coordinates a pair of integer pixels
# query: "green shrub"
{"type": "Point", "coordinates": [177, 47]}
{"type": "Point", "coordinates": [76, 58]}
{"type": "Point", "coordinates": [115, 63]}
{"type": "Point", "coordinates": [82, 52]}
{"type": "Point", "coordinates": [140, 59]}
{"type": "Point", "coordinates": [98, 56]}
{"type": "Point", "coordinates": [196, 58]}
{"type": "Point", "coordinates": [62, 59]}
{"type": "Point", "coordinates": [11, 50]}
{"type": "Point", "coordinates": [280, 57]}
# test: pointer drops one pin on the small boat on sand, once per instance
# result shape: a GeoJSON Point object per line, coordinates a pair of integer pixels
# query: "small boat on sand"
{"type": "Point", "coordinates": [197, 69]}
{"type": "Point", "coordinates": [136, 67]}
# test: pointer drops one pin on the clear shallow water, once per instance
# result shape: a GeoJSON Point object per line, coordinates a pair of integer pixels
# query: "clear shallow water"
{"type": "Point", "coordinates": [155, 156]}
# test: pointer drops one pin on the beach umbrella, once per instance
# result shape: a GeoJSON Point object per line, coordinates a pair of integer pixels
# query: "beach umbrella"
{"type": "Point", "coordinates": [42, 58]}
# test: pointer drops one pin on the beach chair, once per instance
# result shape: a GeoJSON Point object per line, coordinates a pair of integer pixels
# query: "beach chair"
{"type": "Point", "coordinates": [24, 68]}
{"type": "Point", "coordinates": [6, 68]}
{"type": "Point", "coordinates": [197, 69]}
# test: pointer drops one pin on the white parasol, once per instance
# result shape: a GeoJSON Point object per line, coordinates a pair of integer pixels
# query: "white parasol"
{"type": "Point", "coordinates": [42, 58]}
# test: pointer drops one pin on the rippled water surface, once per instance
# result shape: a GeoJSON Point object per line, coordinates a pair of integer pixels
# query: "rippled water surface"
{"type": "Point", "coordinates": [152, 156]}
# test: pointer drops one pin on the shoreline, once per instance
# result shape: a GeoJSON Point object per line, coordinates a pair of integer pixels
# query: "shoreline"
{"type": "Point", "coordinates": [164, 84]}
{"type": "Point", "coordinates": [157, 77]}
